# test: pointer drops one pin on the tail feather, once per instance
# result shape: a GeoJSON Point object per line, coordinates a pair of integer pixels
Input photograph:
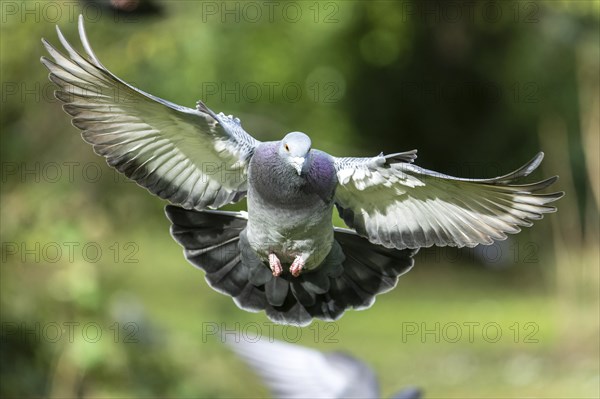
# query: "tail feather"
{"type": "Point", "coordinates": [292, 312]}
{"type": "Point", "coordinates": [352, 274]}
{"type": "Point", "coordinates": [318, 284]}
{"type": "Point", "coordinates": [232, 278]}
{"type": "Point", "coordinates": [306, 297]}
{"type": "Point", "coordinates": [211, 241]}
{"type": "Point", "coordinates": [329, 308]}
{"type": "Point", "coordinates": [260, 275]}
{"type": "Point", "coordinates": [252, 298]}
{"type": "Point", "coordinates": [377, 268]}
{"type": "Point", "coordinates": [277, 290]}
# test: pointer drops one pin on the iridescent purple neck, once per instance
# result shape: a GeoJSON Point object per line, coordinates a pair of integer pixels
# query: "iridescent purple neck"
{"type": "Point", "coordinates": [276, 181]}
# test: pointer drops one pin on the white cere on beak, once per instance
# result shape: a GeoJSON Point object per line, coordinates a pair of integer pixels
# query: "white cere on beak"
{"type": "Point", "coordinates": [297, 163]}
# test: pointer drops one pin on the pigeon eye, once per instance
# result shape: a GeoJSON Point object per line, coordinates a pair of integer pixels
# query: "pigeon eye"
{"type": "Point", "coordinates": [286, 148]}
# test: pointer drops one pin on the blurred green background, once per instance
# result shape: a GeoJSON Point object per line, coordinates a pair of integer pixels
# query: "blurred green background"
{"type": "Point", "coordinates": [97, 299]}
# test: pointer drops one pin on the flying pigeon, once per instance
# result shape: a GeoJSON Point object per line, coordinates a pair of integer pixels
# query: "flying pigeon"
{"type": "Point", "coordinates": [283, 255]}
{"type": "Point", "coordinates": [308, 373]}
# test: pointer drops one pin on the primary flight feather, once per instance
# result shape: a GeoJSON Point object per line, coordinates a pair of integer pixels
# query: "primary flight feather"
{"type": "Point", "coordinates": [284, 256]}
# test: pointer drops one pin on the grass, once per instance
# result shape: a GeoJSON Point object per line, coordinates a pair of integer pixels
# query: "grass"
{"type": "Point", "coordinates": [517, 346]}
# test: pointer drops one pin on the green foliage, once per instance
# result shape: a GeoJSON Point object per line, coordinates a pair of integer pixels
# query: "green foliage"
{"type": "Point", "coordinates": [470, 92]}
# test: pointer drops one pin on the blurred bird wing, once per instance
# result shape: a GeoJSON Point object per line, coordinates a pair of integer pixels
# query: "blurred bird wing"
{"type": "Point", "coordinates": [399, 205]}
{"type": "Point", "coordinates": [191, 157]}
{"type": "Point", "coordinates": [293, 371]}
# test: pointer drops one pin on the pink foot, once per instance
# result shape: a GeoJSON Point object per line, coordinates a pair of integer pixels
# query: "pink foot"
{"type": "Point", "coordinates": [296, 267]}
{"type": "Point", "coordinates": [275, 265]}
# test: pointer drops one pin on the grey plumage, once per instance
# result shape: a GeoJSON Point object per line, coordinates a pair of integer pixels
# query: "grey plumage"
{"type": "Point", "coordinates": [191, 157]}
{"type": "Point", "coordinates": [284, 256]}
{"type": "Point", "coordinates": [294, 371]}
{"type": "Point", "coordinates": [350, 277]}
{"type": "Point", "coordinates": [437, 209]}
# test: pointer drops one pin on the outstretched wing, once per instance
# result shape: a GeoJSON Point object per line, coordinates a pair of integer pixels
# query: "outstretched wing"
{"type": "Point", "coordinates": [294, 371]}
{"type": "Point", "coordinates": [191, 157]}
{"type": "Point", "coordinates": [397, 204]}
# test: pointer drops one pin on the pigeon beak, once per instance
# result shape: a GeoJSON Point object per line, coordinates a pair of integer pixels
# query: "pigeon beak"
{"type": "Point", "coordinates": [297, 163]}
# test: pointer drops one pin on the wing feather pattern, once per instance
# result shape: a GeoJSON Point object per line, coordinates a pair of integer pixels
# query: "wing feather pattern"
{"type": "Point", "coordinates": [192, 157]}
{"type": "Point", "coordinates": [396, 204]}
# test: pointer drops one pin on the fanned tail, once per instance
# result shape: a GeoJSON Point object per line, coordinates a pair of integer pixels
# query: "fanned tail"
{"type": "Point", "coordinates": [353, 273]}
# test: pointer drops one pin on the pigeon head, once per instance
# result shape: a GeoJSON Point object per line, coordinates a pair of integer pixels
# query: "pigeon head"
{"type": "Point", "coordinates": [294, 149]}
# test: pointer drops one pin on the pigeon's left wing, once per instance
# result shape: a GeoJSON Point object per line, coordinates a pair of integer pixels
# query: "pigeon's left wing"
{"type": "Point", "coordinates": [396, 204]}
{"type": "Point", "coordinates": [293, 371]}
{"type": "Point", "coordinates": [191, 157]}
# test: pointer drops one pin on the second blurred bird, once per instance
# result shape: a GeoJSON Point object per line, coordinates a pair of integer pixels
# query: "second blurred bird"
{"type": "Point", "coordinates": [294, 371]}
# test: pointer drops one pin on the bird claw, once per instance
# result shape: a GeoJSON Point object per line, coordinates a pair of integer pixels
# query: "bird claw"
{"type": "Point", "coordinates": [275, 265]}
{"type": "Point", "coordinates": [297, 266]}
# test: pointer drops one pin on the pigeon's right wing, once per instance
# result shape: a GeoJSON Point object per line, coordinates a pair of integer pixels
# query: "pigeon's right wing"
{"type": "Point", "coordinates": [192, 157]}
{"type": "Point", "coordinates": [293, 371]}
{"type": "Point", "coordinates": [396, 204]}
